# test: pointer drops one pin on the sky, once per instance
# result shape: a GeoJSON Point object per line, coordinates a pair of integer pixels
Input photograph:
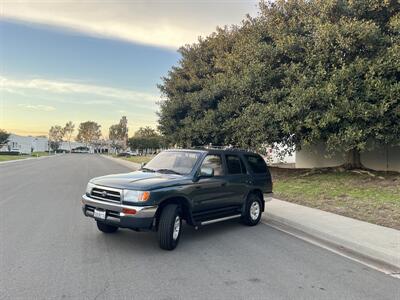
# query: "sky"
{"type": "Point", "coordinates": [96, 60]}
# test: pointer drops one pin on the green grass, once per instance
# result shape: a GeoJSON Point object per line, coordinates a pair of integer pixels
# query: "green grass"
{"type": "Point", "coordinates": [39, 154]}
{"type": "Point", "coordinates": [12, 157]}
{"type": "Point", "coordinates": [138, 159]}
{"type": "Point", "coordinates": [23, 156]}
{"type": "Point", "coordinates": [373, 197]}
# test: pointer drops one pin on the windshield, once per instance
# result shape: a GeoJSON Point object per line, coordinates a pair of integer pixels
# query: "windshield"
{"type": "Point", "coordinates": [178, 162]}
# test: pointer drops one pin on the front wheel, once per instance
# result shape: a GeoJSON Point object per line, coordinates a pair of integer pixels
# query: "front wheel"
{"type": "Point", "coordinates": [169, 227]}
{"type": "Point", "coordinates": [252, 212]}
{"type": "Point", "coordinates": [103, 227]}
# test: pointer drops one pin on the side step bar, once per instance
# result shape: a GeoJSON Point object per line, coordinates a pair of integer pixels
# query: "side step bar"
{"type": "Point", "coordinates": [219, 220]}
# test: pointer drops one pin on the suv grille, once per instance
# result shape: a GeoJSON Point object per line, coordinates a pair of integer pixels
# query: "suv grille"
{"type": "Point", "coordinates": [106, 194]}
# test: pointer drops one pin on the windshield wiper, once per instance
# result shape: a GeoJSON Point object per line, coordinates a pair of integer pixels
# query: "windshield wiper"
{"type": "Point", "coordinates": [168, 171]}
{"type": "Point", "coordinates": [147, 170]}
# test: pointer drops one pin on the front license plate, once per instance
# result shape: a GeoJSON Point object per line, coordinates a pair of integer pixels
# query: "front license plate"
{"type": "Point", "coordinates": [100, 214]}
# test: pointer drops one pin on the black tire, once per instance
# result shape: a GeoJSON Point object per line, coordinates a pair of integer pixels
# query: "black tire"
{"type": "Point", "coordinates": [167, 240]}
{"type": "Point", "coordinates": [248, 216]}
{"type": "Point", "coordinates": [103, 227]}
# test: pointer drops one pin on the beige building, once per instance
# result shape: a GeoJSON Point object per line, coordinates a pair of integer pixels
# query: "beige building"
{"type": "Point", "coordinates": [385, 158]}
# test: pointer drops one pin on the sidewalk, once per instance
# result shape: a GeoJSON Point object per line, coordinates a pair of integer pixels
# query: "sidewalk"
{"type": "Point", "coordinates": [27, 159]}
{"type": "Point", "coordinates": [378, 243]}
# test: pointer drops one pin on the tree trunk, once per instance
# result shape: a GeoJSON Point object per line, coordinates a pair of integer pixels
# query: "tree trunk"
{"type": "Point", "coordinates": [353, 160]}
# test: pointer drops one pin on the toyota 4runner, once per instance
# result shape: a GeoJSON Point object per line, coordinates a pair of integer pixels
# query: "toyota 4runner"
{"type": "Point", "coordinates": [199, 186]}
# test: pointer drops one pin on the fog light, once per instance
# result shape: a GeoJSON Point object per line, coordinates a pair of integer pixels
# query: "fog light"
{"type": "Point", "coordinates": [129, 211]}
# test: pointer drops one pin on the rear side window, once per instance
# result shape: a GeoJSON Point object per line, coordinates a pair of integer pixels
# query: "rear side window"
{"type": "Point", "coordinates": [256, 163]}
{"type": "Point", "coordinates": [234, 164]}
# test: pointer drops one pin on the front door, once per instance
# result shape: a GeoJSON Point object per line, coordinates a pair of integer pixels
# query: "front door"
{"type": "Point", "coordinates": [210, 192]}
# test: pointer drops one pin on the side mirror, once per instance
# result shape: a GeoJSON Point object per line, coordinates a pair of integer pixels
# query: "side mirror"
{"type": "Point", "coordinates": [142, 165]}
{"type": "Point", "coordinates": [206, 172]}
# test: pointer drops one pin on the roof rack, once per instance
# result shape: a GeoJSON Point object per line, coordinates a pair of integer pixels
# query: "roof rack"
{"type": "Point", "coordinates": [226, 147]}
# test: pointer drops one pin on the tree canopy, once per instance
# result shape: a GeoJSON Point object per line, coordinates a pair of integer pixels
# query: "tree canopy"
{"type": "Point", "coordinates": [118, 134]}
{"type": "Point", "coordinates": [88, 132]}
{"type": "Point", "coordinates": [299, 73]}
{"type": "Point", "coordinates": [146, 138]}
{"type": "Point", "coordinates": [4, 135]}
{"type": "Point", "coordinates": [56, 135]}
{"type": "Point", "coordinates": [69, 129]}
{"type": "Point", "coordinates": [146, 132]}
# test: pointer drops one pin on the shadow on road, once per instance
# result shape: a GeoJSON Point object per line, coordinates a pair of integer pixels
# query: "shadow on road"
{"type": "Point", "coordinates": [146, 242]}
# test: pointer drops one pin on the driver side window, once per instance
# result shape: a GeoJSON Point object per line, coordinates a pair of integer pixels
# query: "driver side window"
{"type": "Point", "coordinates": [215, 162]}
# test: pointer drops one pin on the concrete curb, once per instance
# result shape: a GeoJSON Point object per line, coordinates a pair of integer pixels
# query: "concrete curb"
{"type": "Point", "coordinates": [125, 163]}
{"type": "Point", "coordinates": [345, 233]}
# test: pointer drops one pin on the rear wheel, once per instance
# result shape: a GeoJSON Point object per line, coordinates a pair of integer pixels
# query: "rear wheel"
{"type": "Point", "coordinates": [169, 227]}
{"type": "Point", "coordinates": [103, 227]}
{"type": "Point", "coordinates": [252, 213]}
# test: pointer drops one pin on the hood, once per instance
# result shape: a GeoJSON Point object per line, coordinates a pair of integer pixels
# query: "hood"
{"type": "Point", "coordinates": [140, 180]}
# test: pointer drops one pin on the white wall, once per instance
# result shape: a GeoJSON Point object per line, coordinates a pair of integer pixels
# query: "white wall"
{"type": "Point", "coordinates": [65, 145]}
{"type": "Point", "coordinates": [316, 157]}
{"type": "Point", "coordinates": [40, 144]}
{"type": "Point", "coordinates": [384, 158]}
{"type": "Point", "coordinates": [25, 144]}
{"type": "Point", "coordinates": [381, 159]}
{"type": "Point", "coordinates": [273, 156]}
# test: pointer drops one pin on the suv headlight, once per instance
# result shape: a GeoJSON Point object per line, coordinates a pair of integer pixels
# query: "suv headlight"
{"type": "Point", "coordinates": [89, 188]}
{"type": "Point", "coordinates": [136, 196]}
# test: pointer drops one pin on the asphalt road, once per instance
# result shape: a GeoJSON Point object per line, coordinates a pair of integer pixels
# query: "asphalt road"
{"type": "Point", "coordinates": [50, 250]}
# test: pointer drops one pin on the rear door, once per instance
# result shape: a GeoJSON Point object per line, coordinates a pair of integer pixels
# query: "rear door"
{"type": "Point", "coordinates": [237, 178]}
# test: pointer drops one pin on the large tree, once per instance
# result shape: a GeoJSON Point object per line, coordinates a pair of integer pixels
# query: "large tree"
{"type": "Point", "coordinates": [56, 135]}
{"type": "Point", "coordinates": [146, 131]}
{"type": "Point", "coordinates": [342, 82]}
{"type": "Point", "coordinates": [69, 129]}
{"type": "Point", "coordinates": [146, 138]}
{"type": "Point", "coordinates": [4, 135]}
{"type": "Point", "coordinates": [115, 137]}
{"type": "Point", "coordinates": [88, 132]}
{"type": "Point", "coordinates": [118, 134]}
{"type": "Point", "coordinates": [300, 73]}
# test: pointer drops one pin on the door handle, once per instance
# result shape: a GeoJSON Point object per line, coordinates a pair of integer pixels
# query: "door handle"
{"type": "Point", "coordinates": [223, 184]}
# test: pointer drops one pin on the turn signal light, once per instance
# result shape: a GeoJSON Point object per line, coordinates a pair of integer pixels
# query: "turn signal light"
{"type": "Point", "coordinates": [144, 196]}
{"type": "Point", "coordinates": [129, 211]}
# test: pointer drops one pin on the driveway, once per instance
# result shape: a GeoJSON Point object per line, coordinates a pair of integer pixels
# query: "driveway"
{"type": "Point", "coordinates": [48, 249]}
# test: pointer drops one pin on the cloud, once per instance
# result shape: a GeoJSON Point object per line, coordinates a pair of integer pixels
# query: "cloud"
{"type": "Point", "coordinates": [168, 23]}
{"type": "Point", "coordinates": [38, 107]}
{"type": "Point", "coordinates": [63, 87]}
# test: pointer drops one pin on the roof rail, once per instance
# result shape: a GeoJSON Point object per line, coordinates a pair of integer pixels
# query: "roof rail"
{"type": "Point", "coordinates": [226, 147]}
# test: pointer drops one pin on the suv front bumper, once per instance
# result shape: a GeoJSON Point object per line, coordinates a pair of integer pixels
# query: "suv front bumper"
{"type": "Point", "coordinates": [142, 219]}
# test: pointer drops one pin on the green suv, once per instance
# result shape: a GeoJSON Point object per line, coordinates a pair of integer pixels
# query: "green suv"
{"type": "Point", "coordinates": [199, 186]}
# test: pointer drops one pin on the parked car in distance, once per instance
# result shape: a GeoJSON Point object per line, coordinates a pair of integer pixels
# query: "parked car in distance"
{"type": "Point", "coordinates": [80, 150]}
{"type": "Point", "coordinates": [127, 154]}
{"type": "Point", "coordinates": [199, 186]}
